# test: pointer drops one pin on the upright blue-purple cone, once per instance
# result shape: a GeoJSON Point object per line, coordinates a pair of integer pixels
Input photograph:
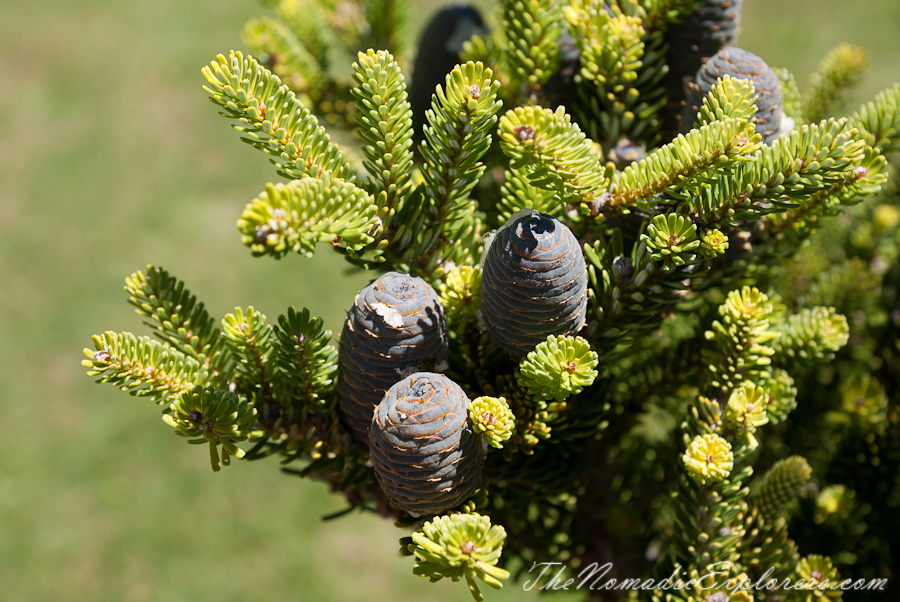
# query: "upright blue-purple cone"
{"type": "Point", "coordinates": [534, 283]}
{"type": "Point", "coordinates": [427, 457]}
{"type": "Point", "coordinates": [713, 25]}
{"type": "Point", "coordinates": [395, 327]}
{"type": "Point", "coordinates": [740, 64]}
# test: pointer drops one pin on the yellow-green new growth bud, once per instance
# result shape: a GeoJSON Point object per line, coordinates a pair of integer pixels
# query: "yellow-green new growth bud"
{"type": "Point", "coordinates": [492, 417]}
{"type": "Point", "coordinates": [746, 407]}
{"type": "Point", "coordinates": [671, 239]}
{"type": "Point", "coordinates": [864, 400]}
{"type": "Point", "coordinates": [777, 490]}
{"type": "Point", "coordinates": [886, 217]}
{"type": "Point", "coordinates": [461, 293]}
{"type": "Point", "coordinates": [713, 243]}
{"type": "Point", "coordinates": [559, 367]}
{"type": "Point", "coordinates": [217, 417]}
{"type": "Point", "coordinates": [835, 501]}
{"type": "Point", "coordinates": [819, 576]}
{"type": "Point", "coordinates": [460, 545]}
{"type": "Point", "coordinates": [708, 459]}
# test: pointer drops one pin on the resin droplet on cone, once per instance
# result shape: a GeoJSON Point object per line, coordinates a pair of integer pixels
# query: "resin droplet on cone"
{"type": "Point", "coordinates": [740, 64]}
{"type": "Point", "coordinates": [427, 457]}
{"type": "Point", "coordinates": [395, 327]}
{"type": "Point", "coordinates": [533, 284]}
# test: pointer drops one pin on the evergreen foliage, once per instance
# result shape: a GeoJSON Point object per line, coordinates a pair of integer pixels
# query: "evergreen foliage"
{"type": "Point", "coordinates": [840, 70]}
{"type": "Point", "coordinates": [658, 318]}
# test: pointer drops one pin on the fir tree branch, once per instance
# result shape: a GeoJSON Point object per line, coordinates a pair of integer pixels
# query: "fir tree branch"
{"type": "Point", "coordinates": [742, 340]}
{"type": "Point", "coordinates": [800, 163]}
{"type": "Point", "coordinates": [776, 491]}
{"type": "Point", "coordinates": [799, 221]}
{"type": "Point", "coordinates": [293, 217]}
{"type": "Point", "coordinates": [532, 31]}
{"type": "Point", "coordinates": [879, 121]}
{"type": "Point", "coordinates": [307, 21]}
{"type": "Point", "coordinates": [438, 222]}
{"type": "Point", "coordinates": [276, 45]}
{"type": "Point", "coordinates": [456, 137]}
{"type": "Point", "coordinates": [518, 193]}
{"type": "Point", "coordinates": [305, 361]}
{"type": "Point", "coordinates": [560, 155]}
{"type": "Point", "coordinates": [812, 336]}
{"type": "Point", "coordinates": [176, 316]}
{"type": "Point", "coordinates": [272, 118]}
{"type": "Point", "coordinates": [717, 146]}
{"type": "Point", "coordinates": [385, 121]}
{"type": "Point", "coordinates": [840, 70]}
{"type": "Point", "coordinates": [610, 42]}
{"type": "Point", "coordinates": [389, 21]}
{"type": "Point", "coordinates": [143, 367]}
{"type": "Point", "coordinates": [208, 415]}
{"type": "Point", "coordinates": [730, 98]}
{"type": "Point", "coordinates": [249, 338]}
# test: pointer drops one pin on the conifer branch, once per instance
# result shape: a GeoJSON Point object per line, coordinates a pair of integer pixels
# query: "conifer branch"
{"type": "Point", "coordinates": [249, 339]}
{"type": "Point", "coordinates": [611, 43]}
{"type": "Point", "coordinates": [810, 337]}
{"type": "Point", "coordinates": [560, 155]}
{"type": "Point", "coordinates": [730, 98]}
{"type": "Point", "coordinates": [879, 121]}
{"type": "Point", "coordinates": [776, 491]}
{"type": "Point", "coordinates": [438, 222]}
{"type": "Point", "coordinates": [389, 21]}
{"type": "Point", "coordinates": [307, 21]}
{"type": "Point", "coordinates": [742, 340]}
{"type": "Point", "coordinates": [272, 118]}
{"type": "Point", "coordinates": [385, 121]}
{"type": "Point", "coordinates": [208, 415]}
{"type": "Point", "coordinates": [798, 164]}
{"type": "Point", "coordinates": [717, 146]}
{"type": "Point", "coordinates": [177, 317]}
{"type": "Point", "coordinates": [622, 67]}
{"type": "Point", "coordinates": [532, 28]}
{"type": "Point", "coordinates": [456, 137]}
{"type": "Point", "coordinates": [304, 359]}
{"type": "Point", "coordinates": [143, 367]}
{"type": "Point", "coordinates": [517, 193]}
{"type": "Point", "coordinates": [840, 70]}
{"type": "Point", "coordinates": [293, 217]}
{"type": "Point", "coordinates": [276, 45]}
{"type": "Point", "coordinates": [794, 225]}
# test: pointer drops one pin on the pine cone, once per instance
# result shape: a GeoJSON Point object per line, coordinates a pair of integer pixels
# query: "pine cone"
{"type": "Point", "coordinates": [713, 26]}
{"type": "Point", "coordinates": [742, 65]}
{"type": "Point", "coordinates": [534, 283]}
{"type": "Point", "coordinates": [426, 455]}
{"type": "Point", "coordinates": [395, 327]}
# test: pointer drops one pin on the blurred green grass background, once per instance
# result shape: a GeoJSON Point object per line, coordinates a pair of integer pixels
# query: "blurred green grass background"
{"type": "Point", "coordinates": [111, 158]}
